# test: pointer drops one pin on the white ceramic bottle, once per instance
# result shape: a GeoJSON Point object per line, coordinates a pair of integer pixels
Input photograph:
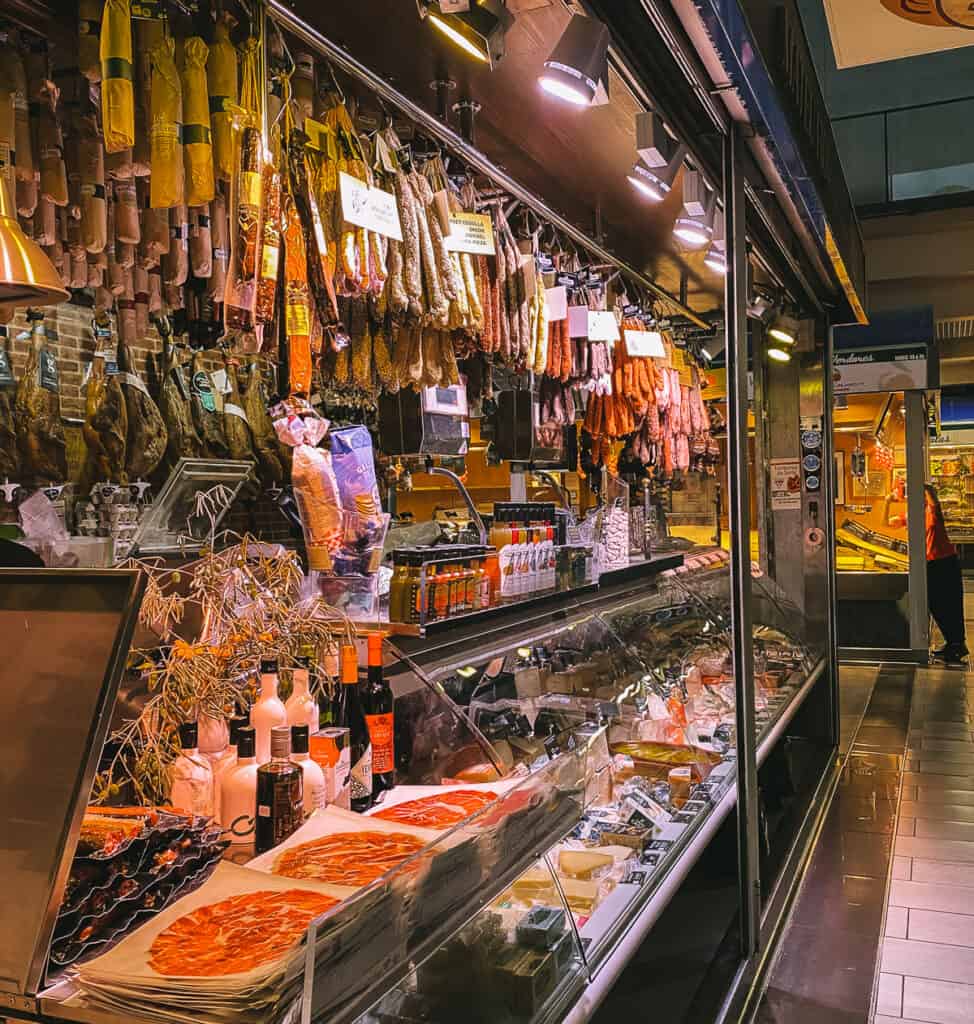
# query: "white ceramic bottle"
{"type": "Point", "coordinates": [314, 777]}
{"type": "Point", "coordinates": [192, 777]}
{"type": "Point", "coordinates": [238, 791]}
{"type": "Point", "coordinates": [301, 706]}
{"type": "Point", "coordinates": [268, 711]}
{"type": "Point", "coordinates": [226, 761]}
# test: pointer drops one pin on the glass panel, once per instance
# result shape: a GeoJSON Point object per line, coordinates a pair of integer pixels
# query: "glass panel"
{"type": "Point", "coordinates": [952, 474]}
{"type": "Point", "coordinates": [872, 553]}
{"type": "Point", "coordinates": [931, 150]}
{"type": "Point", "coordinates": [862, 147]}
{"type": "Point", "coordinates": [520, 956]}
{"type": "Point", "coordinates": [367, 944]}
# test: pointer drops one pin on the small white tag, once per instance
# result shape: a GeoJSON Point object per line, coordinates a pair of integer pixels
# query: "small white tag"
{"type": "Point", "coordinates": [234, 410]}
{"type": "Point", "coordinates": [645, 343]}
{"type": "Point", "coordinates": [602, 325]}
{"type": "Point", "coordinates": [556, 299]}
{"type": "Point", "coordinates": [369, 208]}
{"type": "Point", "coordinates": [220, 382]}
{"type": "Point", "coordinates": [471, 232]}
{"type": "Point", "coordinates": [133, 382]}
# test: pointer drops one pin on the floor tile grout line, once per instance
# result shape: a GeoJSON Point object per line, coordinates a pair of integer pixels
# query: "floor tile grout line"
{"type": "Point", "coordinates": [877, 970]}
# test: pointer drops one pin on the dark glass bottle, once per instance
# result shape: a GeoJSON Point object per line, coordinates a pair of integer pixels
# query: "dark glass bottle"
{"type": "Point", "coordinates": [280, 793]}
{"type": "Point", "coordinates": [379, 708]}
{"type": "Point", "coordinates": [349, 715]}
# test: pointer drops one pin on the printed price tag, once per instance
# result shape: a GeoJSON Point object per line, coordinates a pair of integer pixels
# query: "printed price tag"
{"type": "Point", "coordinates": [471, 232]}
{"type": "Point", "coordinates": [371, 208]}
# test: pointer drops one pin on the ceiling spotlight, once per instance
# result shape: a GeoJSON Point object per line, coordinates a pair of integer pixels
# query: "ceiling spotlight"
{"type": "Point", "coordinates": [477, 27]}
{"type": "Point", "coordinates": [779, 355]}
{"type": "Point", "coordinates": [653, 142]}
{"type": "Point", "coordinates": [716, 258]}
{"type": "Point", "coordinates": [655, 182]}
{"type": "Point", "coordinates": [784, 329]}
{"type": "Point", "coordinates": [695, 224]}
{"type": "Point", "coordinates": [761, 306]}
{"type": "Point", "coordinates": [577, 70]}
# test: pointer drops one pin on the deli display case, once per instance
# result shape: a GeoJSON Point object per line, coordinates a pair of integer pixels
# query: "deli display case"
{"type": "Point", "coordinates": [558, 772]}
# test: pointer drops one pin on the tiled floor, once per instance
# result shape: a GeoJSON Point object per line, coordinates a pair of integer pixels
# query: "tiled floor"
{"type": "Point", "coordinates": [927, 956]}
{"type": "Point", "coordinates": [827, 964]}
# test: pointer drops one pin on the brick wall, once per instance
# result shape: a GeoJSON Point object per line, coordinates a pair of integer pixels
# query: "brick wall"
{"type": "Point", "coordinates": [69, 334]}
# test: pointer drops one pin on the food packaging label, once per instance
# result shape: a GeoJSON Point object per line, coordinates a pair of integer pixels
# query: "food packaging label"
{"type": "Point", "coordinates": [371, 208]}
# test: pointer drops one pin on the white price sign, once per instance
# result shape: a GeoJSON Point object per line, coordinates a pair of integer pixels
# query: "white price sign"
{"type": "Point", "coordinates": [602, 325]}
{"type": "Point", "coordinates": [371, 208]}
{"type": "Point", "coordinates": [556, 299]}
{"type": "Point", "coordinates": [645, 343]}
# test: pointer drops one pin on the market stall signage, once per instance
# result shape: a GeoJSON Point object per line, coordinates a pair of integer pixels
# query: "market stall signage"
{"type": "Point", "coordinates": [367, 207]}
{"type": "Point", "coordinates": [903, 368]}
{"type": "Point", "coordinates": [602, 325]}
{"type": "Point", "coordinates": [471, 232]}
{"type": "Point", "coordinates": [645, 343]}
{"type": "Point", "coordinates": [786, 485]}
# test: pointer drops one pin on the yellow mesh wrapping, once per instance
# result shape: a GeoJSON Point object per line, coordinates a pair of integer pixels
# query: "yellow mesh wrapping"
{"type": "Point", "coordinates": [221, 77]}
{"type": "Point", "coordinates": [197, 146]}
{"type": "Point", "coordinates": [166, 115]}
{"type": "Point", "coordinates": [117, 93]}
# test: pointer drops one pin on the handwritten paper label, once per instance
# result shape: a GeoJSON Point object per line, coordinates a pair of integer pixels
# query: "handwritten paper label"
{"type": "Point", "coordinates": [644, 343]}
{"type": "Point", "coordinates": [602, 325]}
{"type": "Point", "coordinates": [371, 208]}
{"type": "Point", "coordinates": [471, 232]}
{"type": "Point", "coordinates": [578, 321]}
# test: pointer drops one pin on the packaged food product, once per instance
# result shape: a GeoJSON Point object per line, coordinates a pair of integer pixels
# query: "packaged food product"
{"type": "Point", "coordinates": [315, 487]}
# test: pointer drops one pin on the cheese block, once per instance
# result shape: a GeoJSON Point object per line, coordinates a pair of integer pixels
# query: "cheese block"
{"type": "Point", "coordinates": [583, 864]}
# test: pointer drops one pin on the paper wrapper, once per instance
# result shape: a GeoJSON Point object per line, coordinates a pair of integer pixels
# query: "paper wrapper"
{"type": "Point", "coordinates": [117, 93]}
{"type": "Point", "coordinates": [166, 186]}
{"type": "Point", "coordinates": [197, 146]}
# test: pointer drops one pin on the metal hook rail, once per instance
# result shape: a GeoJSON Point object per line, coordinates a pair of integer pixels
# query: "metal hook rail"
{"type": "Point", "coordinates": [431, 125]}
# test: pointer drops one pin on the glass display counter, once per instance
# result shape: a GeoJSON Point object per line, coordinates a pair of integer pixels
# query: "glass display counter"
{"type": "Point", "coordinates": [597, 738]}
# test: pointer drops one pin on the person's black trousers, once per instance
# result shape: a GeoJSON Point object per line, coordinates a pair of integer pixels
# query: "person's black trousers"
{"type": "Point", "coordinates": [945, 595]}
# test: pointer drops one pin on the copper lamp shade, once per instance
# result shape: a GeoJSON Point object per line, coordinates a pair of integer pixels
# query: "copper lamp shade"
{"type": "Point", "coordinates": [27, 276]}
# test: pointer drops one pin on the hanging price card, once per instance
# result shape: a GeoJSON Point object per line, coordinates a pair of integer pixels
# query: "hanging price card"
{"type": "Point", "coordinates": [371, 208]}
{"type": "Point", "coordinates": [471, 232]}
{"type": "Point", "coordinates": [644, 343]}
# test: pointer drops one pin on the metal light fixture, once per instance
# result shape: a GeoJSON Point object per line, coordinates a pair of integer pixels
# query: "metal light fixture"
{"type": "Point", "coordinates": [27, 276]}
{"type": "Point", "coordinates": [655, 182]}
{"type": "Point", "coordinates": [784, 329]}
{"type": "Point", "coordinates": [478, 27]}
{"type": "Point", "coordinates": [695, 225]}
{"type": "Point", "coordinates": [716, 258]}
{"type": "Point", "coordinates": [779, 354]}
{"type": "Point", "coordinates": [577, 70]}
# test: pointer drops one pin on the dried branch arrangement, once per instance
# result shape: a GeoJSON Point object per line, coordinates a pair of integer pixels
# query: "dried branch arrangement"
{"type": "Point", "coordinates": [250, 600]}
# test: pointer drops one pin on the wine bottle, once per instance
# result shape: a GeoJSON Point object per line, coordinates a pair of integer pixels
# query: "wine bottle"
{"type": "Point", "coordinates": [349, 715]}
{"type": "Point", "coordinates": [379, 712]}
{"type": "Point", "coordinates": [280, 793]}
